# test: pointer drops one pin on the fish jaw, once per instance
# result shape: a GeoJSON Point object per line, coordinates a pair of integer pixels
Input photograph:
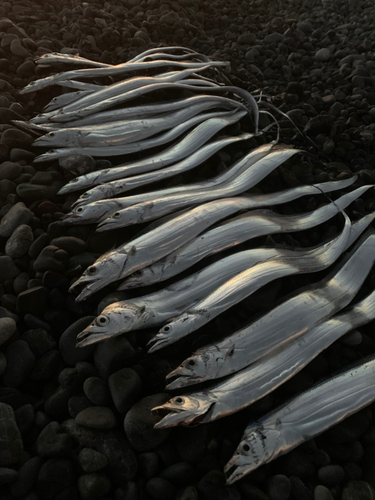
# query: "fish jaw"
{"type": "Point", "coordinates": [105, 326]}
{"type": "Point", "coordinates": [117, 220]}
{"type": "Point", "coordinates": [257, 447]}
{"type": "Point", "coordinates": [70, 187]}
{"type": "Point", "coordinates": [183, 410]}
{"type": "Point", "coordinates": [175, 330]}
{"type": "Point", "coordinates": [103, 272]}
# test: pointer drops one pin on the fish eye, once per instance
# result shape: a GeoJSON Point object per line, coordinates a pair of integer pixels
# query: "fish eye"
{"type": "Point", "coordinates": [166, 328]}
{"type": "Point", "coordinates": [52, 134]}
{"type": "Point", "coordinates": [138, 273]}
{"type": "Point", "coordinates": [191, 362]}
{"type": "Point", "coordinates": [84, 195]}
{"type": "Point", "coordinates": [245, 448]}
{"type": "Point", "coordinates": [179, 400]}
{"type": "Point", "coordinates": [116, 215]}
{"type": "Point", "coordinates": [79, 210]}
{"type": "Point", "coordinates": [92, 270]}
{"type": "Point", "coordinates": [102, 320]}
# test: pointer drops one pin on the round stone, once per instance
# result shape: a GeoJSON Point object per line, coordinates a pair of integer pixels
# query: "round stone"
{"type": "Point", "coordinates": [11, 444]}
{"type": "Point", "coordinates": [96, 417]}
{"type": "Point", "coordinates": [91, 460]}
{"type": "Point", "coordinates": [125, 386]}
{"type": "Point", "coordinates": [19, 242]}
{"type": "Point", "coordinates": [7, 328]}
{"type": "Point", "coordinates": [92, 486]}
{"type": "Point", "coordinates": [97, 391]}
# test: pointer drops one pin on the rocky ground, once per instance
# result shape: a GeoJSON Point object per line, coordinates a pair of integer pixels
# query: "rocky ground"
{"type": "Point", "coordinates": [77, 423]}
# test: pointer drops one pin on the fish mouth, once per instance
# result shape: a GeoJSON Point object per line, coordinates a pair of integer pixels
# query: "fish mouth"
{"type": "Point", "coordinates": [173, 416]}
{"type": "Point", "coordinates": [69, 218]}
{"type": "Point", "coordinates": [157, 343]}
{"type": "Point", "coordinates": [180, 382]}
{"type": "Point", "coordinates": [84, 286]}
{"type": "Point", "coordinates": [104, 225]}
{"type": "Point", "coordinates": [86, 338]}
{"type": "Point", "coordinates": [233, 471]}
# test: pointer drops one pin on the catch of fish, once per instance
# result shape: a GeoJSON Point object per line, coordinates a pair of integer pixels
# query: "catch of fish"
{"type": "Point", "coordinates": [162, 115]}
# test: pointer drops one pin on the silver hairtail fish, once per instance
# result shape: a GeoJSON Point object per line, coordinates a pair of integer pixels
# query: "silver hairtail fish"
{"type": "Point", "coordinates": [265, 375]}
{"type": "Point", "coordinates": [302, 418]}
{"type": "Point", "coordinates": [156, 244]}
{"type": "Point", "coordinates": [291, 319]}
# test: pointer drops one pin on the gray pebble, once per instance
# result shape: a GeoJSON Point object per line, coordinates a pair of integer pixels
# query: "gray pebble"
{"type": "Point", "coordinates": [322, 493]}
{"type": "Point", "coordinates": [148, 464]}
{"type": "Point", "coordinates": [19, 242]}
{"type": "Point", "coordinates": [53, 442]}
{"type": "Point", "coordinates": [67, 343]}
{"type": "Point", "coordinates": [96, 417]}
{"type": "Point", "coordinates": [125, 386]}
{"type": "Point", "coordinates": [111, 355]}
{"type": "Point", "coordinates": [20, 283]}
{"type": "Point", "coordinates": [187, 493]}
{"type": "Point", "coordinates": [3, 363]}
{"type": "Point", "coordinates": [278, 487]}
{"type": "Point", "coordinates": [49, 259]}
{"type": "Point", "coordinates": [139, 423]}
{"type": "Point", "coordinates": [92, 486]}
{"type": "Point", "coordinates": [160, 489]}
{"type": "Point", "coordinates": [77, 164]}
{"type": "Point", "coordinates": [18, 50]}
{"type": "Point", "coordinates": [7, 475]}
{"type": "Point", "coordinates": [11, 444]}
{"type": "Point", "coordinates": [10, 170]}
{"type": "Point", "coordinates": [71, 244]}
{"type": "Point", "coordinates": [191, 443]}
{"type": "Point", "coordinates": [20, 362]}
{"type": "Point", "coordinates": [8, 269]}
{"type": "Point", "coordinates": [7, 328]}
{"type": "Point", "coordinates": [358, 490]}
{"type": "Point", "coordinates": [55, 475]}
{"type": "Point", "coordinates": [25, 417]}
{"type": "Point", "coordinates": [97, 391]}
{"type": "Point", "coordinates": [39, 341]}
{"type": "Point", "coordinates": [181, 473]}
{"type": "Point", "coordinates": [27, 475]}
{"type": "Point", "coordinates": [34, 301]}
{"type": "Point", "coordinates": [323, 55]}
{"type": "Point", "coordinates": [78, 403]}
{"type": "Point", "coordinates": [36, 192]}
{"type": "Point", "coordinates": [91, 460]}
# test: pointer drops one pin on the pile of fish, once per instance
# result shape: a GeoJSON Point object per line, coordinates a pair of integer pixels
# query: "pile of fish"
{"type": "Point", "coordinates": [194, 221]}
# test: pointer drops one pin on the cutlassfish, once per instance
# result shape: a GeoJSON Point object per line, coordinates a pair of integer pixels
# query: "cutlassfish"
{"type": "Point", "coordinates": [265, 375]}
{"type": "Point", "coordinates": [156, 244]}
{"type": "Point", "coordinates": [291, 319]}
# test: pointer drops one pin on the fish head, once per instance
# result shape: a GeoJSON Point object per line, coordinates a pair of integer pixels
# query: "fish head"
{"type": "Point", "coordinates": [193, 370]}
{"type": "Point", "coordinates": [175, 330]}
{"type": "Point", "coordinates": [104, 271]}
{"type": "Point", "coordinates": [56, 138]}
{"type": "Point", "coordinates": [115, 221]}
{"type": "Point", "coordinates": [70, 186]}
{"type": "Point", "coordinates": [258, 446]}
{"type": "Point", "coordinates": [142, 277]}
{"type": "Point", "coordinates": [184, 410]}
{"type": "Point", "coordinates": [92, 212]}
{"type": "Point", "coordinates": [115, 319]}
{"type": "Point", "coordinates": [94, 194]}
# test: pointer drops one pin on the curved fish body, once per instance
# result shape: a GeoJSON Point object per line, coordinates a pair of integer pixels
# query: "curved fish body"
{"type": "Point", "coordinates": [219, 187]}
{"type": "Point", "coordinates": [119, 132]}
{"type": "Point", "coordinates": [73, 84]}
{"type": "Point", "coordinates": [251, 104]}
{"type": "Point", "coordinates": [288, 321]}
{"type": "Point", "coordinates": [265, 375]}
{"type": "Point", "coordinates": [158, 243]}
{"type": "Point", "coordinates": [100, 210]}
{"type": "Point", "coordinates": [112, 95]}
{"type": "Point", "coordinates": [152, 110]}
{"type": "Point", "coordinates": [302, 418]}
{"type": "Point", "coordinates": [53, 58]}
{"type": "Point", "coordinates": [187, 146]}
{"type": "Point", "coordinates": [113, 188]}
{"type": "Point", "coordinates": [156, 308]}
{"type": "Point", "coordinates": [249, 281]}
{"type": "Point", "coordinates": [63, 100]}
{"type": "Point", "coordinates": [234, 232]}
{"type": "Point", "coordinates": [167, 49]}
{"type": "Point", "coordinates": [119, 69]}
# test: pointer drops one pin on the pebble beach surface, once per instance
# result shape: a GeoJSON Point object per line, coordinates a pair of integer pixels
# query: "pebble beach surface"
{"type": "Point", "coordinates": [76, 423]}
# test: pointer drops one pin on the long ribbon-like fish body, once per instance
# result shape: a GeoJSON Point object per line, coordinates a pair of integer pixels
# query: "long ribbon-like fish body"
{"type": "Point", "coordinates": [157, 207]}
{"type": "Point", "coordinates": [302, 418]}
{"type": "Point", "coordinates": [147, 110]}
{"type": "Point", "coordinates": [119, 132]}
{"type": "Point", "coordinates": [62, 100]}
{"type": "Point", "coordinates": [113, 94]}
{"type": "Point", "coordinates": [187, 146]}
{"type": "Point", "coordinates": [113, 188]}
{"type": "Point", "coordinates": [249, 281]}
{"type": "Point", "coordinates": [73, 84]}
{"type": "Point", "coordinates": [58, 58]}
{"type": "Point", "coordinates": [265, 375]}
{"type": "Point", "coordinates": [156, 308]}
{"type": "Point", "coordinates": [167, 49]}
{"type": "Point", "coordinates": [289, 320]}
{"type": "Point", "coordinates": [138, 92]}
{"type": "Point", "coordinates": [95, 212]}
{"type": "Point", "coordinates": [179, 150]}
{"type": "Point", "coordinates": [234, 232]}
{"type": "Point", "coordinates": [119, 69]}
{"type": "Point", "coordinates": [156, 244]}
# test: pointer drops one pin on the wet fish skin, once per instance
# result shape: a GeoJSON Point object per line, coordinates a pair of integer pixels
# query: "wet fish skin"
{"type": "Point", "coordinates": [113, 188]}
{"type": "Point", "coordinates": [156, 244]}
{"type": "Point", "coordinates": [265, 375]}
{"type": "Point", "coordinates": [233, 232]}
{"type": "Point", "coordinates": [302, 418]}
{"type": "Point", "coordinates": [186, 147]}
{"type": "Point", "coordinates": [289, 320]}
